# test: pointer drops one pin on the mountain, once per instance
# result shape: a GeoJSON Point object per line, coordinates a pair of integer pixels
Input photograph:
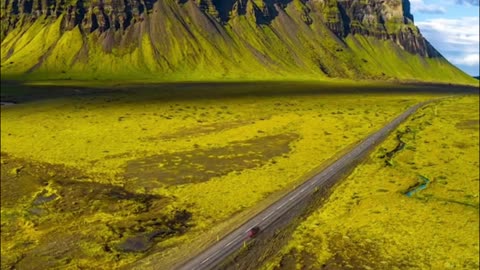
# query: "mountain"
{"type": "Point", "coordinates": [165, 40]}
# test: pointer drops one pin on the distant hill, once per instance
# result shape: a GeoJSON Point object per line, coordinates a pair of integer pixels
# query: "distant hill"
{"type": "Point", "coordinates": [477, 77]}
{"type": "Point", "coordinates": [167, 40]}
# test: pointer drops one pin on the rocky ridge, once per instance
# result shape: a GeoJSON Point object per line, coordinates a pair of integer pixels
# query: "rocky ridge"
{"type": "Point", "coordinates": [227, 27]}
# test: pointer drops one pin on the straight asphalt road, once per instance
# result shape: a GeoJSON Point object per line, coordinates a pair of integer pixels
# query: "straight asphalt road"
{"type": "Point", "coordinates": [216, 253]}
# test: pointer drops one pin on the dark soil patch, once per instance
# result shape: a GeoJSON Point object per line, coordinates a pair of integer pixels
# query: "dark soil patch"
{"type": "Point", "coordinates": [73, 218]}
{"type": "Point", "coordinates": [201, 165]}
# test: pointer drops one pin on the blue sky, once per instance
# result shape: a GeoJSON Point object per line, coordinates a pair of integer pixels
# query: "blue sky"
{"type": "Point", "coordinates": [452, 27]}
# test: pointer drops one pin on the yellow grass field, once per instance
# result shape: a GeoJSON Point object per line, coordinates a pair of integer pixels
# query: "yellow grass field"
{"type": "Point", "coordinates": [415, 209]}
{"type": "Point", "coordinates": [103, 180]}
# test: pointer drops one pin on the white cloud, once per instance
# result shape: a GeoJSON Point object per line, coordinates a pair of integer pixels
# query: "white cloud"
{"type": "Point", "coordinates": [457, 39]}
{"type": "Point", "coordinates": [468, 60]}
{"type": "Point", "coordinates": [462, 33]}
{"type": "Point", "coordinates": [421, 7]}
{"type": "Point", "coordinates": [471, 2]}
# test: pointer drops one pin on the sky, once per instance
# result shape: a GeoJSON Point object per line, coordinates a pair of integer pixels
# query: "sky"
{"type": "Point", "coordinates": [452, 27]}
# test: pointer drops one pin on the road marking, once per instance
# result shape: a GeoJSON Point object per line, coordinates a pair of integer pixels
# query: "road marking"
{"type": "Point", "coordinates": [280, 206]}
{"type": "Point", "coordinates": [293, 197]}
{"type": "Point", "coordinates": [229, 243]}
{"type": "Point", "coordinates": [204, 261]}
{"type": "Point", "coordinates": [265, 217]}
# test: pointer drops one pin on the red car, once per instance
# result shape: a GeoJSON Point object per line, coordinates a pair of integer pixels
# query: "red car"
{"type": "Point", "coordinates": [253, 232]}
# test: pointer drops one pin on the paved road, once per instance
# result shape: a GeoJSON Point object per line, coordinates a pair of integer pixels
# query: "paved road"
{"type": "Point", "coordinates": [216, 253]}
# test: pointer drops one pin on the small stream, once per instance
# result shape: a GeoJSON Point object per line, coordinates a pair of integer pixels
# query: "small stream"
{"type": "Point", "coordinates": [423, 184]}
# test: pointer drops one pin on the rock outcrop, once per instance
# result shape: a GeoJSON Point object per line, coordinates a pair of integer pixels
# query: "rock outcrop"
{"type": "Point", "coordinates": [382, 19]}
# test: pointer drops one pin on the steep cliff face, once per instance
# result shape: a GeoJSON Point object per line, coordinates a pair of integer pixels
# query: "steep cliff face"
{"type": "Point", "coordinates": [215, 39]}
{"type": "Point", "coordinates": [382, 19]}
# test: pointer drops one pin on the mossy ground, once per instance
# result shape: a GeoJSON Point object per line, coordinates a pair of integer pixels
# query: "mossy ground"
{"type": "Point", "coordinates": [104, 179]}
{"type": "Point", "coordinates": [417, 208]}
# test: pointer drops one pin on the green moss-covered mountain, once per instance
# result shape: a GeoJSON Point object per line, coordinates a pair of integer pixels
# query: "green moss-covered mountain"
{"type": "Point", "coordinates": [166, 40]}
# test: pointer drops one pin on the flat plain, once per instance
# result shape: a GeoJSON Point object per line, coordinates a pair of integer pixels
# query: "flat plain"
{"type": "Point", "coordinates": [101, 179]}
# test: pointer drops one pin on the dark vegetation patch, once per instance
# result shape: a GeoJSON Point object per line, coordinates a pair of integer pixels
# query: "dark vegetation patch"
{"type": "Point", "coordinates": [466, 202]}
{"type": "Point", "coordinates": [290, 260]}
{"type": "Point", "coordinates": [468, 124]}
{"type": "Point", "coordinates": [82, 198]}
{"type": "Point", "coordinates": [348, 253]}
{"type": "Point", "coordinates": [54, 216]}
{"type": "Point", "coordinates": [202, 164]}
{"type": "Point", "coordinates": [140, 235]}
{"type": "Point", "coordinates": [400, 146]}
{"type": "Point", "coordinates": [461, 145]}
{"type": "Point", "coordinates": [199, 130]}
{"type": "Point", "coordinates": [22, 179]}
{"type": "Point", "coordinates": [361, 253]}
{"type": "Point", "coordinates": [407, 138]}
